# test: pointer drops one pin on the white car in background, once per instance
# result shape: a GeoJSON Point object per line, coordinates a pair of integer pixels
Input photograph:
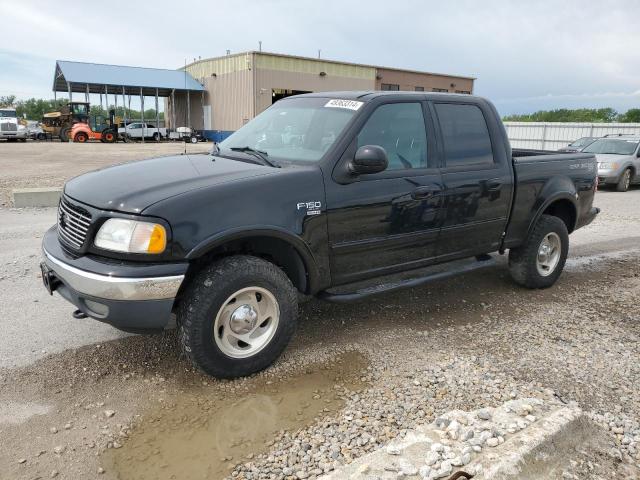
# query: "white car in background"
{"type": "Point", "coordinates": [138, 130]}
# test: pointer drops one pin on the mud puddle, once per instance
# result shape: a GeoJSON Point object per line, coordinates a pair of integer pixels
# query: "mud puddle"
{"type": "Point", "coordinates": [204, 434]}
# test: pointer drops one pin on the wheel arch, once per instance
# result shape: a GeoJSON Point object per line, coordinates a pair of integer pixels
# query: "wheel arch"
{"type": "Point", "coordinates": [282, 248]}
{"type": "Point", "coordinates": [562, 206]}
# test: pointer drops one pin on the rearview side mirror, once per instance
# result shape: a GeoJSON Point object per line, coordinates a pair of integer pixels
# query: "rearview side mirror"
{"type": "Point", "coordinates": [369, 159]}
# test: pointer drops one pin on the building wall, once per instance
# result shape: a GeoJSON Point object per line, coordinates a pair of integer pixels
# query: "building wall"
{"type": "Point", "coordinates": [429, 81]}
{"type": "Point", "coordinates": [267, 80]}
{"type": "Point", "coordinates": [231, 98]}
{"type": "Point", "coordinates": [293, 73]}
{"type": "Point", "coordinates": [240, 86]}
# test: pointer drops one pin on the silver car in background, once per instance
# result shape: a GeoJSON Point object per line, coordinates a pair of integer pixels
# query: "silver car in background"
{"type": "Point", "coordinates": [578, 145]}
{"type": "Point", "coordinates": [618, 160]}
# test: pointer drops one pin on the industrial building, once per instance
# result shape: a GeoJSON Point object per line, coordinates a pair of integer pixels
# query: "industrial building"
{"type": "Point", "coordinates": [219, 95]}
{"type": "Point", "coordinates": [238, 87]}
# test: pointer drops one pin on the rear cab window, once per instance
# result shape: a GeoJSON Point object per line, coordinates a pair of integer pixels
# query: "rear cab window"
{"type": "Point", "coordinates": [465, 135]}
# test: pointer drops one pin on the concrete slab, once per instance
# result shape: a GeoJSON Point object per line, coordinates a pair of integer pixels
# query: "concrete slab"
{"type": "Point", "coordinates": [521, 439]}
{"type": "Point", "coordinates": [36, 197]}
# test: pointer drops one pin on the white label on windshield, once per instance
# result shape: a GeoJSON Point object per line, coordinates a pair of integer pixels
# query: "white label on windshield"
{"type": "Point", "coordinates": [338, 103]}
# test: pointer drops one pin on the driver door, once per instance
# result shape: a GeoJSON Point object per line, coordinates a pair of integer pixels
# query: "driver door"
{"type": "Point", "coordinates": [387, 221]}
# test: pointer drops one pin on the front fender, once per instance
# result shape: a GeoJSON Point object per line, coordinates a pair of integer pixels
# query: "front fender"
{"type": "Point", "coordinates": [270, 231]}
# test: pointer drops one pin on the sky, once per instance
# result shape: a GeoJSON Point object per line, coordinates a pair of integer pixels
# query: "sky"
{"type": "Point", "coordinates": [526, 55]}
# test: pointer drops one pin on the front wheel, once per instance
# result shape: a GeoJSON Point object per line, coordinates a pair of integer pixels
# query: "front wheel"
{"type": "Point", "coordinates": [157, 137]}
{"type": "Point", "coordinates": [81, 137]}
{"type": "Point", "coordinates": [237, 316]}
{"type": "Point", "coordinates": [625, 181]}
{"type": "Point", "coordinates": [539, 261]}
{"type": "Point", "coordinates": [64, 134]}
{"type": "Point", "coordinates": [109, 136]}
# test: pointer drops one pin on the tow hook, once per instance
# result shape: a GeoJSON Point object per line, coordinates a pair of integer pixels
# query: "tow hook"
{"type": "Point", "coordinates": [79, 314]}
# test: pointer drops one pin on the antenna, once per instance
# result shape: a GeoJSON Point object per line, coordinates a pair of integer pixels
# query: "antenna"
{"type": "Point", "coordinates": [186, 106]}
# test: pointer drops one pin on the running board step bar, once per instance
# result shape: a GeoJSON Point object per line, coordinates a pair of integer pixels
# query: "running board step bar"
{"type": "Point", "coordinates": [480, 262]}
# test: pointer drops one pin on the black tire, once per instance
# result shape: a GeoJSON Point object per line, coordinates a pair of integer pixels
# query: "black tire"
{"type": "Point", "coordinates": [209, 291]}
{"type": "Point", "coordinates": [23, 140]}
{"type": "Point", "coordinates": [41, 136]}
{"type": "Point", "coordinates": [157, 137]}
{"type": "Point", "coordinates": [108, 136]}
{"type": "Point", "coordinates": [625, 181]}
{"type": "Point", "coordinates": [193, 139]}
{"type": "Point", "coordinates": [81, 137]}
{"type": "Point", "coordinates": [523, 261]}
{"type": "Point", "coordinates": [64, 134]}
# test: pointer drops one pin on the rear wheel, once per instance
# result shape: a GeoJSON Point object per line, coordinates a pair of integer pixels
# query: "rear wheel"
{"type": "Point", "coordinates": [108, 136]}
{"type": "Point", "coordinates": [237, 316]}
{"type": "Point", "coordinates": [64, 134]}
{"type": "Point", "coordinates": [157, 137]}
{"type": "Point", "coordinates": [81, 137]}
{"type": "Point", "coordinates": [539, 261]}
{"type": "Point", "coordinates": [625, 181]}
{"type": "Point", "coordinates": [193, 139]}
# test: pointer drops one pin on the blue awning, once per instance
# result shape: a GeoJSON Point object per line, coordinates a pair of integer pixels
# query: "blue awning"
{"type": "Point", "coordinates": [95, 77]}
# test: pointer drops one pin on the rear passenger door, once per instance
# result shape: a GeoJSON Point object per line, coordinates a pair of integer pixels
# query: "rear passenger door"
{"type": "Point", "coordinates": [477, 179]}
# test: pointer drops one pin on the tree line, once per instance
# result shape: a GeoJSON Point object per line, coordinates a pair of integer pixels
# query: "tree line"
{"type": "Point", "coordinates": [588, 115]}
{"type": "Point", "coordinates": [35, 108]}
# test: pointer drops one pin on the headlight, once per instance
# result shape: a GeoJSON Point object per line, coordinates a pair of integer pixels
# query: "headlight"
{"type": "Point", "coordinates": [607, 165]}
{"type": "Point", "coordinates": [121, 235]}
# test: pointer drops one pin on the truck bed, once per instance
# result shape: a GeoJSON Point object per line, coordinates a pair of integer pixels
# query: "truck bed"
{"type": "Point", "coordinates": [541, 174]}
{"type": "Point", "coordinates": [526, 155]}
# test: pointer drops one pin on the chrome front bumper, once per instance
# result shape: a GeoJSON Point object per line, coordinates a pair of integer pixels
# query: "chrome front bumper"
{"type": "Point", "coordinates": [114, 288]}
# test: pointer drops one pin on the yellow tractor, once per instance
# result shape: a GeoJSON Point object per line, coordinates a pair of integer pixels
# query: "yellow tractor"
{"type": "Point", "coordinates": [59, 123]}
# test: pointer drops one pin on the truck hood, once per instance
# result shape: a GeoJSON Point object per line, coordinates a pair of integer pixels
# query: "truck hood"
{"type": "Point", "coordinates": [132, 187]}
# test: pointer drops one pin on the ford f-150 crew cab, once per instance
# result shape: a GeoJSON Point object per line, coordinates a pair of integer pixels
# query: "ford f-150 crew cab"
{"type": "Point", "coordinates": [328, 194]}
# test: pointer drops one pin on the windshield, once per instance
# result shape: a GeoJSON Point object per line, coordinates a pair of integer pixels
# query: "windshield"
{"type": "Point", "coordinates": [7, 113]}
{"type": "Point", "coordinates": [612, 146]}
{"type": "Point", "coordinates": [298, 129]}
{"type": "Point", "coordinates": [581, 142]}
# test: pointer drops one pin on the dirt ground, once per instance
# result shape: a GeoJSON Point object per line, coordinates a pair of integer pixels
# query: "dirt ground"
{"type": "Point", "coordinates": [50, 164]}
{"type": "Point", "coordinates": [112, 410]}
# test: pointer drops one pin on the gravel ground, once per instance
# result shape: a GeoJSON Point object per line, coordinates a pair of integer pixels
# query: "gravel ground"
{"type": "Point", "coordinates": [465, 343]}
{"type": "Point", "coordinates": [50, 164]}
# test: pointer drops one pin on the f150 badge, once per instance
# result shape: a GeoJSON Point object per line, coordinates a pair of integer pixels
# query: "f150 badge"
{"type": "Point", "coordinates": [312, 208]}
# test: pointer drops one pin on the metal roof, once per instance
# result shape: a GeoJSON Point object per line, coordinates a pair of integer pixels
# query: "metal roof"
{"type": "Point", "coordinates": [96, 76]}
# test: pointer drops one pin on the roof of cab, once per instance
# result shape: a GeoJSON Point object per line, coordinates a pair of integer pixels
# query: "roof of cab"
{"type": "Point", "coordinates": [366, 95]}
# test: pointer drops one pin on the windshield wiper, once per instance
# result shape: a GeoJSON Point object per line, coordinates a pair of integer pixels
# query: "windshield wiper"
{"type": "Point", "coordinates": [262, 155]}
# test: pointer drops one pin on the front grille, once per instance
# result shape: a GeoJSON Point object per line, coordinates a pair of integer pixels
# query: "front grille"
{"type": "Point", "coordinates": [8, 127]}
{"type": "Point", "coordinates": [73, 224]}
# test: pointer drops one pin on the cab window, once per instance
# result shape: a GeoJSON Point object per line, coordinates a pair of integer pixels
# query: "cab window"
{"type": "Point", "coordinates": [398, 128]}
{"type": "Point", "coordinates": [465, 134]}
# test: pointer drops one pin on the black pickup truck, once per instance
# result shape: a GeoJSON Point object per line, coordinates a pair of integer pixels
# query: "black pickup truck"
{"type": "Point", "coordinates": [328, 194]}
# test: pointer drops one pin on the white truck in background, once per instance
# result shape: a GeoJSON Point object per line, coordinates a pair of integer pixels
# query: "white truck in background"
{"type": "Point", "coordinates": [10, 128]}
{"type": "Point", "coordinates": [137, 130]}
